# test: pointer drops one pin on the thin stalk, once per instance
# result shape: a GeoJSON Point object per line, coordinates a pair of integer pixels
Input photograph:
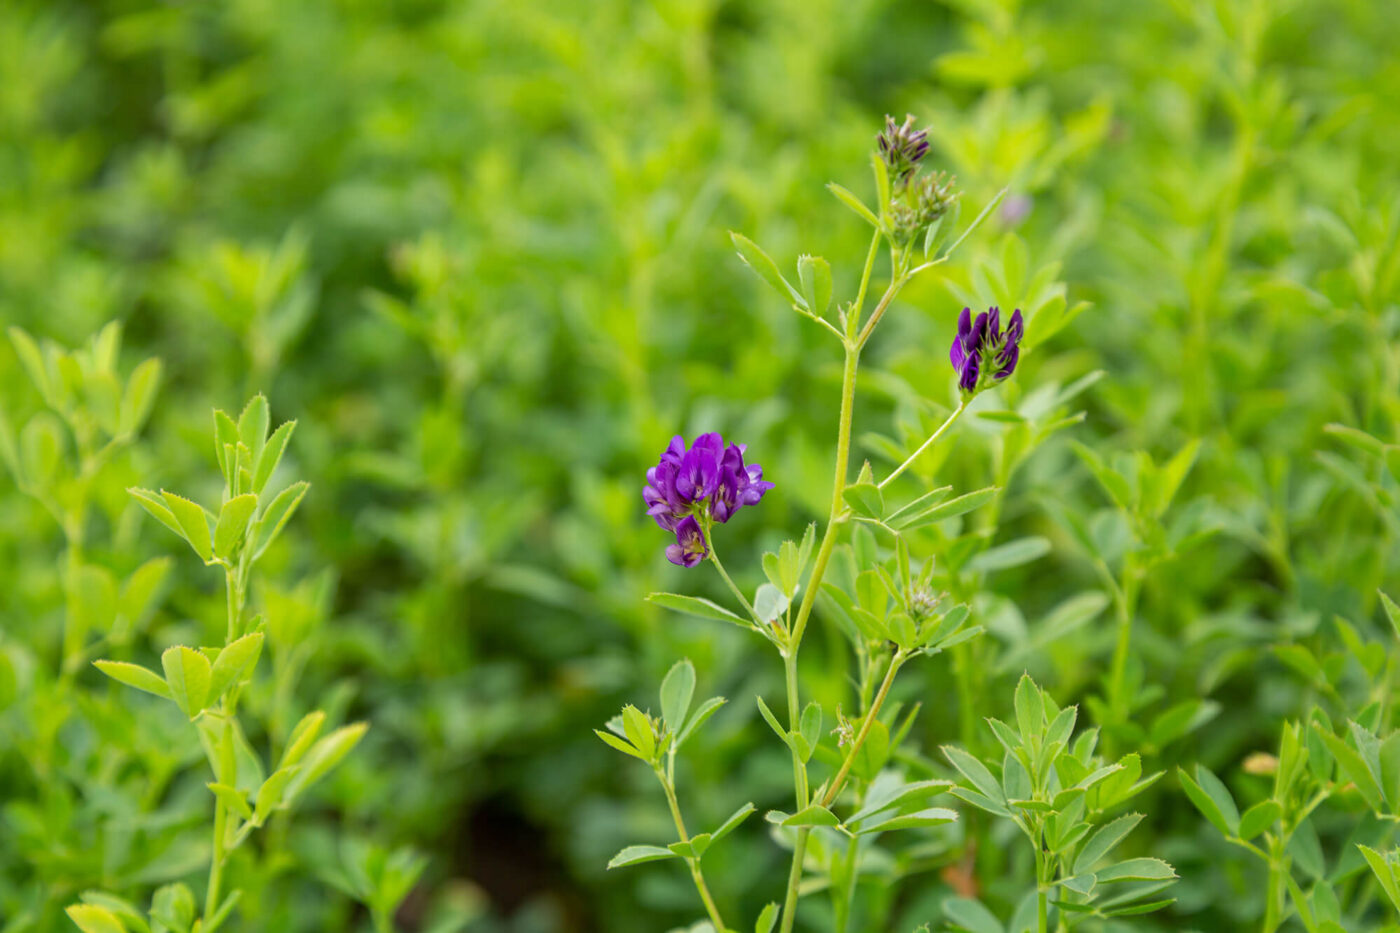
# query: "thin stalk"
{"type": "Point", "coordinates": [799, 767]}
{"type": "Point", "coordinates": [738, 593]}
{"type": "Point", "coordinates": [1042, 907]}
{"type": "Point", "coordinates": [1273, 893]}
{"type": "Point", "coordinates": [1126, 604]}
{"type": "Point", "coordinates": [835, 788]}
{"type": "Point", "coordinates": [854, 319]}
{"type": "Point", "coordinates": [233, 582]}
{"type": "Point", "coordinates": [216, 866]}
{"type": "Point", "coordinates": [804, 611]}
{"type": "Point", "coordinates": [885, 300]}
{"type": "Point", "coordinates": [932, 439]}
{"type": "Point", "coordinates": [694, 863]}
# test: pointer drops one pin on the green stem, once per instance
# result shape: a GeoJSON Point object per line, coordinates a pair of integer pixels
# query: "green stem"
{"type": "Point", "coordinates": [835, 788]}
{"type": "Point", "coordinates": [233, 582]}
{"type": "Point", "coordinates": [799, 767]}
{"type": "Point", "coordinates": [738, 593]}
{"type": "Point", "coordinates": [216, 866]}
{"type": "Point", "coordinates": [1126, 604]}
{"type": "Point", "coordinates": [1273, 893]}
{"type": "Point", "coordinates": [694, 863]}
{"type": "Point", "coordinates": [804, 611]}
{"type": "Point", "coordinates": [853, 319]}
{"type": "Point", "coordinates": [933, 438]}
{"type": "Point", "coordinates": [1042, 911]}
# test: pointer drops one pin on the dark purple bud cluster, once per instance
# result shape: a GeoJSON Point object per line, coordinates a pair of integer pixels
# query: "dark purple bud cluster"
{"type": "Point", "coordinates": [902, 147]}
{"type": "Point", "coordinates": [981, 353]}
{"type": "Point", "coordinates": [916, 201]}
{"type": "Point", "coordinates": [707, 481]}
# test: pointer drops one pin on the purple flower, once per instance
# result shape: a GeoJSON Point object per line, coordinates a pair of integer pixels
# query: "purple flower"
{"type": "Point", "coordinates": [981, 345]}
{"type": "Point", "coordinates": [690, 547]}
{"type": "Point", "coordinates": [707, 482]}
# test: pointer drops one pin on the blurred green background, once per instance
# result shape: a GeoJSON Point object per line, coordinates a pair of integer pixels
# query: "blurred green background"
{"type": "Point", "coordinates": [480, 252]}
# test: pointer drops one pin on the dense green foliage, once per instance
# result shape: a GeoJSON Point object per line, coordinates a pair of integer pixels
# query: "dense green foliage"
{"type": "Point", "coordinates": [479, 252]}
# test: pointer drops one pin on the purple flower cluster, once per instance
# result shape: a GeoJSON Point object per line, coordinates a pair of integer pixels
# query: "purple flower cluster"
{"type": "Point", "coordinates": [981, 345]}
{"type": "Point", "coordinates": [707, 481]}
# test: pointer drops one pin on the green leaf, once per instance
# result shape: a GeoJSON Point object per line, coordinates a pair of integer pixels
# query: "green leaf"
{"type": "Point", "coordinates": [1113, 483]}
{"type": "Point", "coordinates": [767, 919]}
{"type": "Point", "coordinates": [976, 772]}
{"type": "Point", "coordinates": [1385, 873]}
{"type": "Point", "coordinates": [89, 917]}
{"type": "Point", "coordinates": [1259, 818]}
{"type": "Point", "coordinates": [619, 743]}
{"type": "Point", "coordinates": [276, 515]}
{"type": "Point", "coordinates": [981, 801]}
{"type": "Point", "coordinates": [864, 499]}
{"type": "Point", "coordinates": [233, 523]}
{"type": "Point", "coordinates": [324, 756]}
{"type": "Point", "coordinates": [977, 221]}
{"type": "Point", "coordinates": [253, 425]}
{"type": "Point", "coordinates": [272, 791]}
{"type": "Point", "coordinates": [933, 816]}
{"type": "Point", "coordinates": [950, 509]}
{"type": "Point", "coordinates": [967, 914]}
{"type": "Point", "coordinates": [814, 815]}
{"type": "Point", "coordinates": [1136, 909]}
{"type": "Point", "coordinates": [232, 797]}
{"type": "Point", "coordinates": [814, 273]}
{"type": "Point", "coordinates": [155, 505]}
{"type": "Point", "coordinates": [1392, 612]}
{"type": "Point", "coordinates": [92, 603]}
{"type": "Point", "coordinates": [187, 674]}
{"type": "Point", "coordinates": [854, 203]}
{"type": "Point", "coordinates": [676, 691]}
{"type": "Point", "coordinates": [1136, 869]}
{"type": "Point", "coordinates": [695, 606]}
{"type": "Point", "coordinates": [1208, 804]}
{"type": "Point", "coordinates": [301, 738]}
{"type": "Point", "coordinates": [731, 824]}
{"type": "Point", "coordinates": [1172, 474]}
{"type": "Point", "coordinates": [1011, 554]}
{"type": "Point", "coordinates": [124, 910]}
{"type": "Point", "coordinates": [702, 713]}
{"type": "Point", "coordinates": [172, 905]}
{"type": "Point", "coordinates": [1357, 769]}
{"type": "Point", "coordinates": [139, 397]}
{"type": "Point", "coordinates": [1103, 841]}
{"type": "Point", "coordinates": [903, 794]}
{"type": "Point", "coordinates": [759, 262]}
{"type": "Point", "coordinates": [1358, 439]}
{"type": "Point", "coordinates": [32, 359]}
{"type": "Point", "coordinates": [236, 659]}
{"type": "Point", "coordinates": [134, 675]}
{"type": "Point", "coordinates": [226, 445]}
{"type": "Point", "coordinates": [636, 855]}
{"type": "Point", "coordinates": [193, 523]}
{"type": "Point", "coordinates": [1030, 711]}
{"type": "Point", "coordinates": [772, 720]}
{"type": "Point", "coordinates": [143, 589]}
{"type": "Point", "coordinates": [769, 602]}
{"type": "Point", "coordinates": [639, 731]}
{"type": "Point", "coordinates": [271, 456]}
